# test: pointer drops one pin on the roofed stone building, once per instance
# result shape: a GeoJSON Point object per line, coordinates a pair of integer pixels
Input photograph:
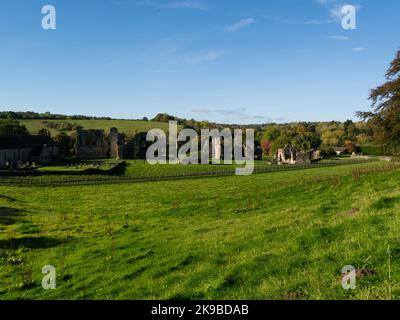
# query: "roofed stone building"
{"type": "Point", "coordinates": [16, 150]}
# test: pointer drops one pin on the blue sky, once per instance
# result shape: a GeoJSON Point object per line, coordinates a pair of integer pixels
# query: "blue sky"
{"type": "Point", "coordinates": [233, 61]}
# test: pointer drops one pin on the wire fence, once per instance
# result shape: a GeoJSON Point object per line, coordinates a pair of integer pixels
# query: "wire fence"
{"type": "Point", "coordinates": [54, 181]}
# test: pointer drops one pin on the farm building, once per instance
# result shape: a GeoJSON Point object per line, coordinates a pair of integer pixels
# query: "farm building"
{"type": "Point", "coordinates": [23, 149]}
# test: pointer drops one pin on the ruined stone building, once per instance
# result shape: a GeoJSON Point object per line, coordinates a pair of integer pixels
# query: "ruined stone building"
{"type": "Point", "coordinates": [286, 155]}
{"type": "Point", "coordinates": [136, 147]}
{"type": "Point", "coordinates": [217, 151]}
{"type": "Point", "coordinates": [340, 151]}
{"type": "Point", "coordinates": [93, 144]}
{"type": "Point", "coordinates": [116, 144]}
{"type": "Point", "coordinates": [289, 155]}
{"type": "Point", "coordinates": [16, 150]}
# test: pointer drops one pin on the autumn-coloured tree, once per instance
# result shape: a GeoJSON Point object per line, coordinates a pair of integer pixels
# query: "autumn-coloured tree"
{"type": "Point", "coordinates": [384, 119]}
{"type": "Point", "coordinates": [266, 147]}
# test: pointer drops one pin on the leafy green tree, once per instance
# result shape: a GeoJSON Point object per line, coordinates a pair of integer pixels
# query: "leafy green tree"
{"type": "Point", "coordinates": [44, 132]}
{"type": "Point", "coordinates": [12, 127]}
{"type": "Point", "coordinates": [350, 130]}
{"type": "Point", "coordinates": [384, 119]}
{"type": "Point", "coordinates": [332, 135]}
{"type": "Point", "coordinates": [65, 144]}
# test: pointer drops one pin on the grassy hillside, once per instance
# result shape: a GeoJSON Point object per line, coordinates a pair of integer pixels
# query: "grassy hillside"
{"type": "Point", "coordinates": [125, 126]}
{"type": "Point", "coordinates": [283, 235]}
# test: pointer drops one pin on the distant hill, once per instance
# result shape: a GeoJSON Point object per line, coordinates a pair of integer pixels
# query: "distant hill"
{"type": "Point", "coordinates": [56, 123]}
{"type": "Point", "coordinates": [128, 127]}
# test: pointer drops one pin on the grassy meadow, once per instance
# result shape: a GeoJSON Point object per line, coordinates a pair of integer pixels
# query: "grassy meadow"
{"type": "Point", "coordinates": [283, 235]}
{"type": "Point", "coordinates": [124, 126]}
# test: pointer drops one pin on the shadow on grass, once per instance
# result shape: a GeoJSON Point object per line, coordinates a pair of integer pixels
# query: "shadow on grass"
{"type": "Point", "coordinates": [31, 242]}
{"type": "Point", "coordinates": [7, 198]}
{"type": "Point", "coordinates": [386, 203]}
{"type": "Point", "coordinates": [9, 216]}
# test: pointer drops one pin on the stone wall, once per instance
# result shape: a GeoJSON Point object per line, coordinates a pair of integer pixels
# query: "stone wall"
{"type": "Point", "coordinates": [91, 144]}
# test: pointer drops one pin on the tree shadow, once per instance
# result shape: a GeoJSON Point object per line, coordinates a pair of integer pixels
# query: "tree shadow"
{"type": "Point", "coordinates": [31, 242]}
{"type": "Point", "coordinates": [8, 198]}
{"type": "Point", "coordinates": [385, 203]}
{"type": "Point", "coordinates": [9, 216]}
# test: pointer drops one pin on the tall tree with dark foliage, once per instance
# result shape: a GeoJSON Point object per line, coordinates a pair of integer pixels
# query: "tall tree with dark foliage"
{"type": "Point", "coordinates": [12, 127]}
{"type": "Point", "coordinates": [384, 119]}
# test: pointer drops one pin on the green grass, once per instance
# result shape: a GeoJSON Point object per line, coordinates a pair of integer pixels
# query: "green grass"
{"type": "Point", "coordinates": [283, 235]}
{"type": "Point", "coordinates": [373, 150]}
{"type": "Point", "coordinates": [140, 168]}
{"type": "Point", "coordinates": [79, 167]}
{"type": "Point", "coordinates": [124, 126]}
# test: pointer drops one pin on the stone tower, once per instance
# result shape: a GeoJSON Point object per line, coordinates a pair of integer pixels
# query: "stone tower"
{"type": "Point", "coordinates": [117, 144]}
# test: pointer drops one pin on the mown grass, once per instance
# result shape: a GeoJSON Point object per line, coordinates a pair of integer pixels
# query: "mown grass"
{"type": "Point", "coordinates": [283, 235]}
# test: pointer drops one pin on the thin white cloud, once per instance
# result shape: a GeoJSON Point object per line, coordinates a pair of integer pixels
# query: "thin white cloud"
{"type": "Point", "coordinates": [358, 49]}
{"type": "Point", "coordinates": [340, 38]}
{"type": "Point", "coordinates": [198, 58]}
{"type": "Point", "coordinates": [232, 112]}
{"type": "Point", "coordinates": [239, 25]}
{"type": "Point", "coordinates": [299, 22]}
{"type": "Point", "coordinates": [188, 4]}
{"type": "Point", "coordinates": [321, 2]}
{"type": "Point", "coordinates": [238, 114]}
{"type": "Point", "coordinates": [174, 4]}
{"type": "Point", "coordinates": [336, 12]}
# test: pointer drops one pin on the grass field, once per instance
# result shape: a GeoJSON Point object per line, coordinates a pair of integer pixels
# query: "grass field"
{"type": "Point", "coordinates": [124, 126]}
{"type": "Point", "coordinates": [283, 235]}
{"type": "Point", "coordinates": [78, 167]}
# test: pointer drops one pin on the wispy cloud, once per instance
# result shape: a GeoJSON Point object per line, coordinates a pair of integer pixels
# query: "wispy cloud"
{"type": "Point", "coordinates": [239, 25]}
{"type": "Point", "coordinates": [358, 49]}
{"type": "Point", "coordinates": [336, 11]}
{"type": "Point", "coordinates": [339, 38]}
{"type": "Point", "coordinates": [334, 14]}
{"type": "Point", "coordinates": [177, 4]}
{"type": "Point", "coordinates": [188, 4]}
{"type": "Point", "coordinates": [239, 112]}
{"type": "Point", "coordinates": [335, 7]}
{"type": "Point", "coordinates": [203, 111]}
{"type": "Point", "coordinates": [198, 58]}
{"type": "Point", "coordinates": [175, 51]}
{"type": "Point", "coordinates": [233, 114]}
{"type": "Point", "coordinates": [324, 2]}
{"type": "Point", "coordinates": [299, 22]}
